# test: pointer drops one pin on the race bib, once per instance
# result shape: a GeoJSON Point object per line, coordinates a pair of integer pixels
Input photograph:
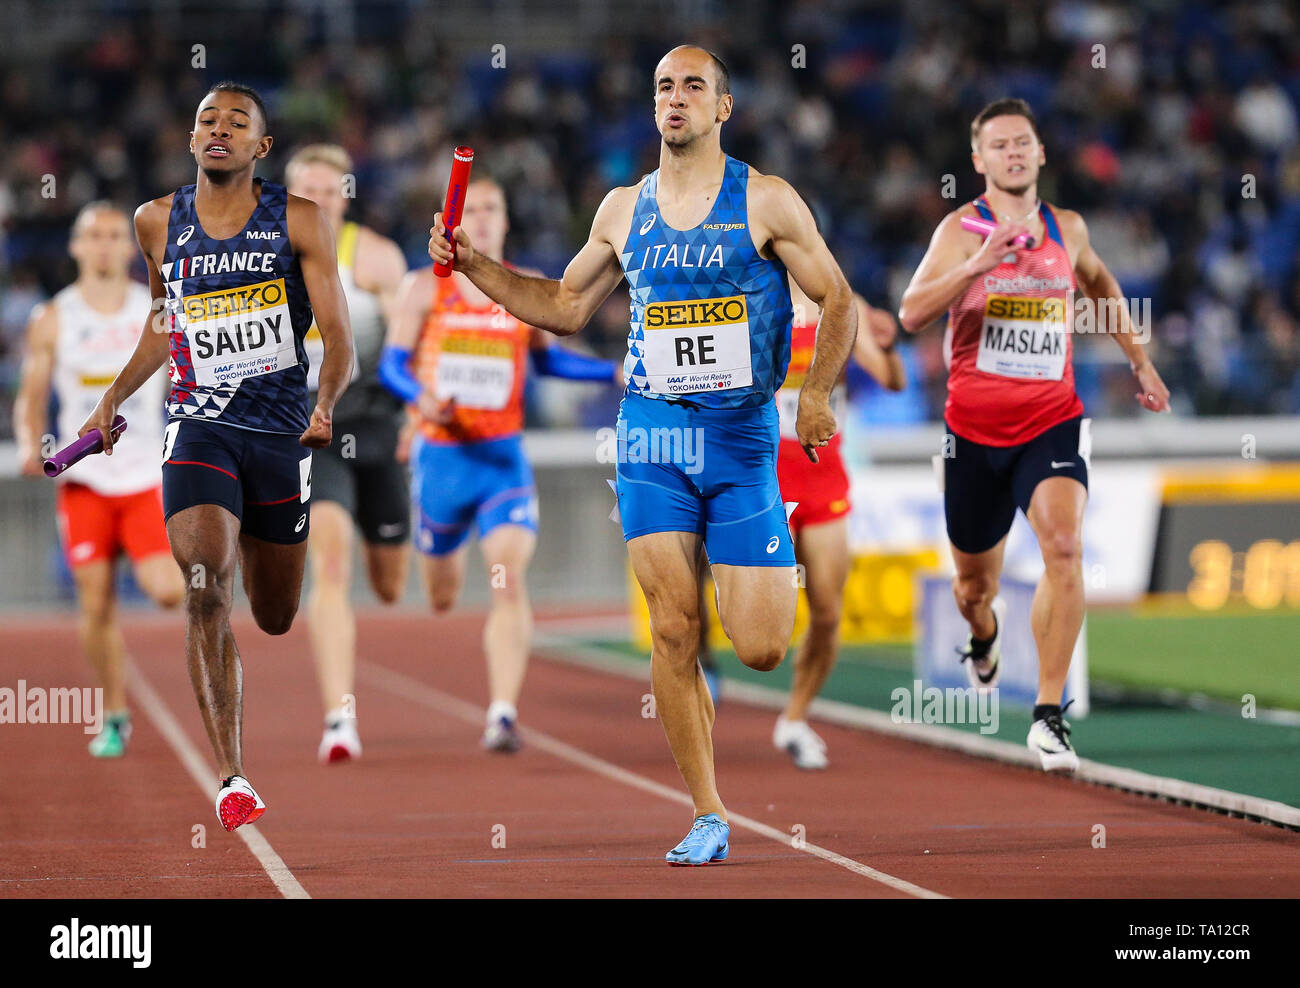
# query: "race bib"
{"type": "Point", "coordinates": [478, 373]}
{"type": "Point", "coordinates": [787, 408]}
{"type": "Point", "coordinates": [238, 333]}
{"type": "Point", "coordinates": [1023, 337]}
{"type": "Point", "coordinates": [697, 345]}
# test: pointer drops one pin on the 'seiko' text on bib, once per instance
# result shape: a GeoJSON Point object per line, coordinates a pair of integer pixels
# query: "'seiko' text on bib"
{"type": "Point", "coordinates": [697, 345]}
{"type": "Point", "coordinates": [1023, 337]}
{"type": "Point", "coordinates": [238, 333]}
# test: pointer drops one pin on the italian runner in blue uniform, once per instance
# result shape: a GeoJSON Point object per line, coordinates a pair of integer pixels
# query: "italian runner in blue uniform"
{"type": "Point", "coordinates": [705, 243]}
{"type": "Point", "coordinates": [236, 268]}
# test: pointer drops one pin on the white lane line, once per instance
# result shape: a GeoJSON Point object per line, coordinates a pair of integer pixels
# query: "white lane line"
{"type": "Point", "coordinates": [560, 649]}
{"type": "Point", "coordinates": [203, 775]}
{"type": "Point", "coordinates": [405, 687]}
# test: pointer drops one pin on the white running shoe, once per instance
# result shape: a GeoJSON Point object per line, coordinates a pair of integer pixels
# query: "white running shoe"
{"type": "Point", "coordinates": [1050, 738]}
{"type": "Point", "coordinates": [983, 672]}
{"type": "Point", "coordinates": [800, 742]}
{"type": "Point", "coordinates": [501, 732]}
{"type": "Point", "coordinates": [340, 742]}
{"type": "Point", "coordinates": [238, 803]}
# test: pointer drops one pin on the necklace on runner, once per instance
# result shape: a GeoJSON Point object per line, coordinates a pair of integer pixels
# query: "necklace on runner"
{"type": "Point", "coordinates": [1033, 209]}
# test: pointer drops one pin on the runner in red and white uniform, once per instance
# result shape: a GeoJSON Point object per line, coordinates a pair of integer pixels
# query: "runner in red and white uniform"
{"type": "Point", "coordinates": [106, 505]}
{"type": "Point", "coordinates": [819, 523]}
{"type": "Point", "coordinates": [1016, 432]}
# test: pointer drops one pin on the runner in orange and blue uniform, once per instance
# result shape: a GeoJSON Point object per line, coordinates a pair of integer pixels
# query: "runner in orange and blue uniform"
{"type": "Point", "coordinates": [466, 382]}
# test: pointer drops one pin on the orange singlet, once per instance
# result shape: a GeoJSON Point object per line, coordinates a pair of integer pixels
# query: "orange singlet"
{"type": "Point", "coordinates": [477, 355]}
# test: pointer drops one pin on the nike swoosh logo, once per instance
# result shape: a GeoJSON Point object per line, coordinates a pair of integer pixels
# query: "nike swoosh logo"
{"type": "Point", "coordinates": [1062, 466]}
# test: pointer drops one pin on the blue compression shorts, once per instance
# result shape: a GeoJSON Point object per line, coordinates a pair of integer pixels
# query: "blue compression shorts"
{"type": "Point", "coordinates": [683, 468]}
{"type": "Point", "coordinates": [458, 486]}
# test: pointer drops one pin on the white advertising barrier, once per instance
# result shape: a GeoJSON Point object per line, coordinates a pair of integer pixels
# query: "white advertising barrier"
{"type": "Point", "coordinates": [900, 508]}
{"type": "Point", "coordinates": [942, 632]}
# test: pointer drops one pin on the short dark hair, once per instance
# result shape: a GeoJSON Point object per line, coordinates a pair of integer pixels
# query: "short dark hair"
{"type": "Point", "coordinates": [240, 89]}
{"type": "Point", "coordinates": [724, 75]}
{"type": "Point", "coordinates": [719, 66]}
{"type": "Point", "coordinates": [1006, 107]}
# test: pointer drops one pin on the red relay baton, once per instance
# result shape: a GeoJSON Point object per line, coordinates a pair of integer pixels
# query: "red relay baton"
{"type": "Point", "coordinates": [461, 162]}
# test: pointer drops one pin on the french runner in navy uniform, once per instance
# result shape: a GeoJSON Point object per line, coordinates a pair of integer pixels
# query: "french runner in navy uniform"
{"type": "Point", "coordinates": [237, 267]}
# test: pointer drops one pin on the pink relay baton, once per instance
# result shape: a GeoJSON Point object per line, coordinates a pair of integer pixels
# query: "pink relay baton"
{"type": "Point", "coordinates": [977, 225]}
{"type": "Point", "coordinates": [90, 443]}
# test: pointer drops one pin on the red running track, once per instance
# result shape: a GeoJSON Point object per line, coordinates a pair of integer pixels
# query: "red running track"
{"type": "Point", "coordinates": [586, 809]}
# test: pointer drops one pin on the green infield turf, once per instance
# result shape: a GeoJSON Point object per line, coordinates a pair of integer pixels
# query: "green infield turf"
{"type": "Point", "coordinates": [1131, 656]}
{"type": "Point", "coordinates": [1221, 655]}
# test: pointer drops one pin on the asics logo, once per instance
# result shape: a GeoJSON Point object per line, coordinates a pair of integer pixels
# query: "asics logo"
{"type": "Point", "coordinates": [774, 544]}
{"type": "Point", "coordinates": [645, 227]}
{"type": "Point", "coordinates": [185, 236]}
{"type": "Point", "coordinates": [301, 521]}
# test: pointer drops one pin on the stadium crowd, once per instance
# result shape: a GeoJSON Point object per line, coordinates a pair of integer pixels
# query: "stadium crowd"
{"type": "Point", "coordinates": [1171, 126]}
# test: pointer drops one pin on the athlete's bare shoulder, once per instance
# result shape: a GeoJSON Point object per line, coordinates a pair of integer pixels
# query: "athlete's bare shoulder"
{"type": "Point", "coordinates": [1072, 225]}
{"type": "Point", "coordinates": [614, 215]}
{"type": "Point", "coordinates": [373, 242]}
{"type": "Point", "coordinates": [308, 225]}
{"type": "Point", "coordinates": [151, 222]}
{"type": "Point", "coordinates": [419, 280]}
{"type": "Point", "coordinates": [43, 323]}
{"type": "Point", "coordinates": [379, 263]}
{"type": "Point", "coordinates": [769, 191]}
{"type": "Point", "coordinates": [305, 209]}
{"type": "Point", "coordinates": [1074, 231]}
{"type": "Point", "coordinates": [951, 233]}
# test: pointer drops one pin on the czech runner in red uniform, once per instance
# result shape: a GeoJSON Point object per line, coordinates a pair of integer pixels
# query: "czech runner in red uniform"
{"type": "Point", "coordinates": [106, 507]}
{"type": "Point", "coordinates": [237, 267]}
{"type": "Point", "coordinates": [1017, 433]}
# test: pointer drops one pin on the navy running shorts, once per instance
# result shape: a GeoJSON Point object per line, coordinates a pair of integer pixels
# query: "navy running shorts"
{"type": "Point", "coordinates": [262, 478]}
{"type": "Point", "coordinates": [983, 485]}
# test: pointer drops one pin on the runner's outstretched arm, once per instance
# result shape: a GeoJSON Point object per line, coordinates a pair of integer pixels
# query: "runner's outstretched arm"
{"type": "Point", "coordinates": [561, 307]}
